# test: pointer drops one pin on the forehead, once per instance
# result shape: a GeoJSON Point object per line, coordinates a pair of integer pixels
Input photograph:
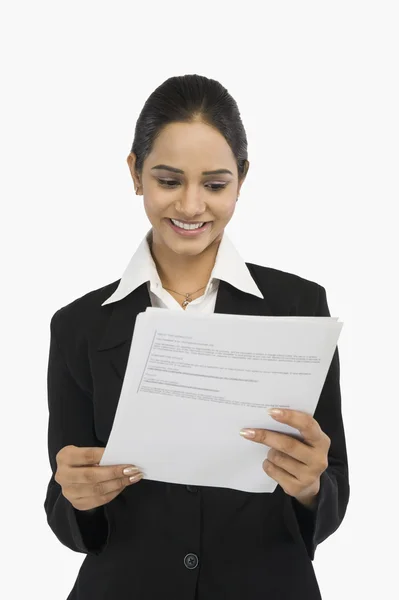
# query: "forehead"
{"type": "Point", "coordinates": [191, 145]}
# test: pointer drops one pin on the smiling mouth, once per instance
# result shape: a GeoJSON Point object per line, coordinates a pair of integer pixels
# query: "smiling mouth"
{"type": "Point", "coordinates": [188, 222]}
{"type": "Point", "coordinates": [189, 228]}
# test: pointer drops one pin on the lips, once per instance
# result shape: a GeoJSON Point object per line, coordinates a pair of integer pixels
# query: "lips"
{"type": "Point", "coordinates": [189, 232]}
{"type": "Point", "coordinates": [188, 222]}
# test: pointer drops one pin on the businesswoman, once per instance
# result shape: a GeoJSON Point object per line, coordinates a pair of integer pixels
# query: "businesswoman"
{"type": "Point", "coordinates": [147, 539]}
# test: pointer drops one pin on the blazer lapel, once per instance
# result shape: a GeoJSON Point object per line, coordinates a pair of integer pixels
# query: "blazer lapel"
{"type": "Point", "coordinates": [233, 301]}
{"type": "Point", "coordinates": [118, 335]}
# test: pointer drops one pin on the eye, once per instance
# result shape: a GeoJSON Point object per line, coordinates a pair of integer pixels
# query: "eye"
{"type": "Point", "coordinates": [215, 187]}
{"type": "Point", "coordinates": [167, 182]}
{"type": "Point", "coordinates": [171, 184]}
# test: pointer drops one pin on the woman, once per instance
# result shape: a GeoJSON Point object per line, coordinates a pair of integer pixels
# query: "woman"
{"type": "Point", "coordinates": [147, 539]}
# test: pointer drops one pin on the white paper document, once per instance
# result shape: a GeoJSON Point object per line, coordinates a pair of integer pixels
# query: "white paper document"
{"type": "Point", "coordinates": [192, 381]}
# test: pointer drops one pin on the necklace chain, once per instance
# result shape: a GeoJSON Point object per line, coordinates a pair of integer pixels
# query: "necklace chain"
{"type": "Point", "coordinates": [187, 296]}
{"type": "Point", "coordinates": [187, 299]}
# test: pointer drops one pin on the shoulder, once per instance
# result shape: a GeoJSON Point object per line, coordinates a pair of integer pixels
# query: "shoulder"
{"type": "Point", "coordinates": [84, 310]}
{"type": "Point", "coordinates": [284, 286]}
{"type": "Point", "coordinates": [268, 275]}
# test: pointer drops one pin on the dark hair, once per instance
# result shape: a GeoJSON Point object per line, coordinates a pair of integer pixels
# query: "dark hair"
{"type": "Point", "coordinates": [185, 99]}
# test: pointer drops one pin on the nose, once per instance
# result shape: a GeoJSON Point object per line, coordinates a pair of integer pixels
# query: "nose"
{"type": "Point", "coordinates": [190, 203]}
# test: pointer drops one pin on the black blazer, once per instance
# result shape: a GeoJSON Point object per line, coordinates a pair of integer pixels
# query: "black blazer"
{"type": "Point", "coordinates": [164, 540]}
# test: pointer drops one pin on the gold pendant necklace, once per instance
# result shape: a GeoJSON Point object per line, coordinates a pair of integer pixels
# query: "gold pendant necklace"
{"type": "Point", "coordinates": [188, 299]}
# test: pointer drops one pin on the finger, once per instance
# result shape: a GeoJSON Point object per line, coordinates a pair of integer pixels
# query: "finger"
{"type": "Point", "coordinates": [76, 456]}
{"type": "Point", "coordinates": [99, 489]}
{"type": "Point", "coordinates": [93, 475]}
{"type": "Point", "coordinates": [283, 478]}
{"type": "Point", "coordinates": [87, 503]}
{"type": "Point", "coordinates": [305, 423]}
{"type": "Point", "coordinates": [286, 444]}
{"type": "Point", "coordinates": [293, 467]}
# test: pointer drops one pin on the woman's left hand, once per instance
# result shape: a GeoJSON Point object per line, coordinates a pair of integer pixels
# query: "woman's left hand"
{"type": "Point", "coordinates": [296, 465]}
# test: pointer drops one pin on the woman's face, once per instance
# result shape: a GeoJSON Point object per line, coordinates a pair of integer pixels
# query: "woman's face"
{"type": "Point", "coordinates": [188, 195]}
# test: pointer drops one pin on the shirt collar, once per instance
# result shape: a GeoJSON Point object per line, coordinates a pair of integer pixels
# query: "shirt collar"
{"type": "Point", "coordinates": [229, 266]}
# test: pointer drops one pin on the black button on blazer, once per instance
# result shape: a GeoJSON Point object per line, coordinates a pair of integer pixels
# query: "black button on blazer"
{"type": "Point", "coordinates": [162, 540]}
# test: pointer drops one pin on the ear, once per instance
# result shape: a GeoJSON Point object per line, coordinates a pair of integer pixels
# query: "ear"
{"type": "Point", "coordinates": [246, 168]}
{"type": "Point", "coordinates": [131, 161]}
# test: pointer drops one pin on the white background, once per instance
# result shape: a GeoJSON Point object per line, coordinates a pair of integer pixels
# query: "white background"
{"type": "Point", "coordinates": [317, 87]}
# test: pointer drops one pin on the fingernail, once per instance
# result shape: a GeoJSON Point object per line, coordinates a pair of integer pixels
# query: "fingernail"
{"type": "Point", "coordinates": [130, 470]}
{"type": "Point", "coordinates": [275, 412]}
{"type": "Point", "coordinates": [136, 477]}
{"type": "Point", "coordinates": [249, 433]}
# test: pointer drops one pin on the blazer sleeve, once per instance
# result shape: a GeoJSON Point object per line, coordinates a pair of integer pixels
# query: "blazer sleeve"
{"type": "Point", "coordinates": [318, 524]}
{"type": "Point", "coordinates": [71, 422]}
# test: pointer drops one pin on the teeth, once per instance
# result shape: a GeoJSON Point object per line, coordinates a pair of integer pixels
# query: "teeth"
{"type": "Point", "coordinates": [185, 225]}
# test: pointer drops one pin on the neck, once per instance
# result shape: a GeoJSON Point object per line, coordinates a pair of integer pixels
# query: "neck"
{"type": "Point", "coordinates": [186, 272]}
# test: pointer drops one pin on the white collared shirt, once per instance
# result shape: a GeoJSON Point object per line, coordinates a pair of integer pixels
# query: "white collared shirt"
{"type": "Point", "coordinates": [229, 267]}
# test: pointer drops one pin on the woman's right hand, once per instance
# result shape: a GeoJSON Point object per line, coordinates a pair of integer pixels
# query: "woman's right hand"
{"type": "Point", "coordinates": [87, 485]}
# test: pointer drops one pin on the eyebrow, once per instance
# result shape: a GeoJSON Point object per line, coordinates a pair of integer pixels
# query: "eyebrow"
{"type": "Point", "coordinates": [174, 170]}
